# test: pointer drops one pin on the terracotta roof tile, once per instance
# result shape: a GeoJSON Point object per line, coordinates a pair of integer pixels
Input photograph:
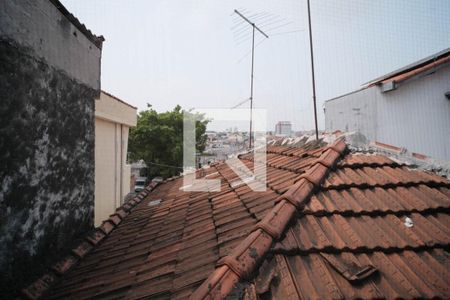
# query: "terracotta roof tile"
{"type": "Point", "coordinates": [357, 221]}
{"type": "Point", "coordinates": [326, 227]}
{"type": "Point", "coordinates": [363, 233]}
{"type": "Point", "coordinates": [396, 277]}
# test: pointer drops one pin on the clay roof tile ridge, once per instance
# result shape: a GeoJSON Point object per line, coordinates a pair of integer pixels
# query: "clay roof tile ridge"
{"type": "Point", "coordinates": [246, 257]}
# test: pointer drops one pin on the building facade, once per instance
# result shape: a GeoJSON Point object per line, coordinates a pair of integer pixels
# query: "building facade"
{"type": "Point", "coordinates": [49, 79]}
{"type": "Point", "coordinates": [113, 118]}
{"type": "Point", "coordinates": [283, 128]}
{"type": "Point", "coordinates": [407, 108]}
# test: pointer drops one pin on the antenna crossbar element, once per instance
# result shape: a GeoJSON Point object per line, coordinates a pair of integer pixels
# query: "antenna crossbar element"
{"type": "Point", "coordinates": [240, 103]}
{"type": "Point", "coordinates": [251, 23]}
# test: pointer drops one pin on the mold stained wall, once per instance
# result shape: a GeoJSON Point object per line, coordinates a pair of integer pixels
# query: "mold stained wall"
{"type": "Point", "coordinates": [49, 79]}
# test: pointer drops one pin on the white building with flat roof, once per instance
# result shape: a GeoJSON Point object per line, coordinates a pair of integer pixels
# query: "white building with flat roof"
{"type": "Point", "coordinates": [113, 119]}
{"type": "Point", "coordinates": [407, 108]}
{"type": "Point", "coordinates": [283, 128]}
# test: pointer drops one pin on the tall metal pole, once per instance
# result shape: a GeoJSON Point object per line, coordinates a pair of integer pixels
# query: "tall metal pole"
{"type": "Point", "coordinates": [312, 71]}
{"type": "Point", "coordinates": [253, 57]}
{"type": "Point", "coordinates": [251, 87]}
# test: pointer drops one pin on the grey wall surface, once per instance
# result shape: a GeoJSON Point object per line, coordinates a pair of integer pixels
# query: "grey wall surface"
{"type": "Point", "coordinates": [416, 115]}
{"type": "Point", "coordinates": [39, 25]}
{"type": "Point", "coordinates": [354, 112]}
{"type": "Point", "coordinates": [49, 80]}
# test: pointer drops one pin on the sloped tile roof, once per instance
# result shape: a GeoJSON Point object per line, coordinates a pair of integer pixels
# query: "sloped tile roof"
{"type": "Point", "coordinates": [352, 240]}
{"type": "Point", "coordinates": [327, 227]}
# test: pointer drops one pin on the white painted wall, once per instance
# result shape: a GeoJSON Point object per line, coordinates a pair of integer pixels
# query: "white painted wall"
{"type": "Point", "coordinates": [112, 175]}
{"type": "Point", "coordinates": [416, 115]}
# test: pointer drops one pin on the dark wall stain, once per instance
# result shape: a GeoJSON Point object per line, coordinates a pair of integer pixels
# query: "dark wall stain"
{"type": "Point", "coordinates": [46, 164]}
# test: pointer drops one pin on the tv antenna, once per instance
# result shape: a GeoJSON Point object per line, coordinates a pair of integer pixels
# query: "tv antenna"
{"type": "Point", "coordinates": [253, 62]}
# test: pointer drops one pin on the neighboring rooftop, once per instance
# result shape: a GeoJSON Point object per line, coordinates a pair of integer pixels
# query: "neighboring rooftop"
{"type": "Point", "coordinates": [332, 224]}
{"type": "Point", "coordinates": [111, 108]}
{"type": "Point", "coordinates": [391, 80]}
{"type": "Point", "coordinates": [428, 63]}
{"type": "Point", "coordinates": [118, 99]}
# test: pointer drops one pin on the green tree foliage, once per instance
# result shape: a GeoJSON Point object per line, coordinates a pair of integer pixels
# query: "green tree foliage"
{"type": "Point", "coordinates": [158, 140]}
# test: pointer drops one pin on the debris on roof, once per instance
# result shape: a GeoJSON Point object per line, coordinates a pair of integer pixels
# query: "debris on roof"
{"type": "Point", "coordinates": [399, 154]}
{"type": "Point", "coordinates": [358, 143]}
{"type": "Point", "coordinates": [332, 224]}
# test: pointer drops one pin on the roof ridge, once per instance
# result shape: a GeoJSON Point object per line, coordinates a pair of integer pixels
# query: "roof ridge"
{"type": "Point", "coordinates": [378, 212]}
{"type": "Point", "coordinates": [410, 183]}
{"type": "Point", "coordinates": [97, 40]}
{"type": "Point", "coordinates": [361, 250]}
{"type": "Point", "coordinates": [37, 289]}
{"type": "Point", "coordinates": [247, 255]}
{"type": "Point", "coordinates": [118, 99]}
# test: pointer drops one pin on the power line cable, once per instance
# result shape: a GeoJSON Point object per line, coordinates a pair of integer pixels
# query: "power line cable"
{"type": "Point", "coordinates": [163, 165]}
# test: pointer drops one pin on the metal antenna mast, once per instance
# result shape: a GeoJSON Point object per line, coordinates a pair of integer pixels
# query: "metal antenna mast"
{"type": "Point", "coordinates": [312, 71]}
{"type": "Point", "coordinates": [253, 60]}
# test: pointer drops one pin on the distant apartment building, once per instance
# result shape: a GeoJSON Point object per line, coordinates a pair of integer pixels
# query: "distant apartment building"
{"type": "Point", "coordinates": [408, 108]}
{"type": "Point", "coordinates": [50, 77]}
{"type": "Point", "coordinates": [283, 128]}
{"type": "Point", "coordinates": [113, 119]}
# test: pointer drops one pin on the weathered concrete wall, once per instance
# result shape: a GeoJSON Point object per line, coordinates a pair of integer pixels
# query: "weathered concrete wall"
{"type": "Point", "coordinates": [47, 163]}
{"type": "Point", "coordinates": [49, 79]}
{"type": "Point", "coordinates": [39, 25]}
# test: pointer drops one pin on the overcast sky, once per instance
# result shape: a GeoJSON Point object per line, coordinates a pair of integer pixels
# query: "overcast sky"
{"type": "Point", "coordinates": [196, 52]}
